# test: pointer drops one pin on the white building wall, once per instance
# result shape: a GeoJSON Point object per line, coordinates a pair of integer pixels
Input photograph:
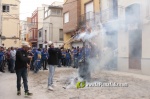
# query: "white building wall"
{"type": "Point", "coordinates": [123, 35]}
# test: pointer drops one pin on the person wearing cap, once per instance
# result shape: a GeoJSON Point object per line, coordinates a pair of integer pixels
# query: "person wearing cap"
{"type": "Point", "coordinates": [21, 65]}
{"type": "Point", "coordinates": [52, 62]}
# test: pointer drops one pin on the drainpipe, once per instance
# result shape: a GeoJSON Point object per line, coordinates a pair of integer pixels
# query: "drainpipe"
{"type": "Point", "coordinates": [51, 32]}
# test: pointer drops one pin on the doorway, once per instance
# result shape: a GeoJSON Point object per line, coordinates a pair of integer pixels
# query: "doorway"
{"type": "Point", "coordinates": [135, 35]}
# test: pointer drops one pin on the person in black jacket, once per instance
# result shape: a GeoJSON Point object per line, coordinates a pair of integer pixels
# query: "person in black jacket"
{"type": "Point", "coordinates": [52, 62]}
{"type": "Point", "coordinates": [59, 57]}
{"type": "Point", "coordinates": [21, 65]}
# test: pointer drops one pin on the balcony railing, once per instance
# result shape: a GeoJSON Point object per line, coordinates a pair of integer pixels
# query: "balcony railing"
{"type": "Point", "coordinates": [86, 17]}
{"type": "Point", "coordinates": [31, 39]}
{"type": "Point", "coordinates": [110, 14]}
{"type": "Point", "coordinates": [103, 16]}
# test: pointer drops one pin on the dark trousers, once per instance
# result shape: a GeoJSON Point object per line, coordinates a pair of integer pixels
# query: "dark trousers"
{"type": "Point", "coordinates": [9, 64]}
{"type": "Point", "coordinates": [63, 62]}
{"type": "Point", "coordinates": [12, 65]}
{"type": "Point", "coordinates": [44, 62]}
{"type": "Point", "coordinates": [59, 62]}
{"type": "Point", "coordinates": [22, 73]}
{"type": "Point", "coordinates": [2, 65]}
{"type": "Point", "coordinates": [67, 61]}
{"type": "Point", "coordinates": [1, 68]}
{"type": "Point", "coordinates": [32, 65]}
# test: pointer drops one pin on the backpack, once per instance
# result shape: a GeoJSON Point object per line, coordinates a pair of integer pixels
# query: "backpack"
{"type": "Point", "coordinates": [39, 55]}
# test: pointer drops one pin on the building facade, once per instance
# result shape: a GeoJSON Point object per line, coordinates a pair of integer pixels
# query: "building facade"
{"type": "Point", "coordinates": [76, 17]}
{"type": "Point", "coordinates": [71, 15]}
{"type": "Point", "coordinates": [10, 23]}
{"type": "Point", "coordinates": [53, 25]}
{"type": "Point", "coordinates": [134, 52]}
{"type": "Point", "coordinates": [40, 25]}
{"type": "Point", "coordinates": [127, 23]}
{"type": "Point", "coordinates": [34, 29]}
{"type": "Point", "coordinates": [28, 27]}
{"type": "Point", "coordinates": [23, 31]}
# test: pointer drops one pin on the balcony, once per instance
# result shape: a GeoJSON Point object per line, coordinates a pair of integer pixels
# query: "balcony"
{"type": "Point", "coordinates": [31, 39]}
{"type": "Point", "coordinates": [102, 17]}
{"type": "Point", "coordinates": [86, 18]}
{"type": "Point", "coordinates": [111, 14]}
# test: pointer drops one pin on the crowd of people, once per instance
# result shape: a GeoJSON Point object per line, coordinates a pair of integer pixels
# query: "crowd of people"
{"type": "Point", "coordinates": [20, 60]}
{"type": "Point", "coordinates": [66, 58]}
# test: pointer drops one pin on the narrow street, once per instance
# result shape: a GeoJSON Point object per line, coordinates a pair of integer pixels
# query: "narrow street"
{"type": "Point", "coordinates": [138, 86]}
{"type": "Point", "coordinates": [8, 88]}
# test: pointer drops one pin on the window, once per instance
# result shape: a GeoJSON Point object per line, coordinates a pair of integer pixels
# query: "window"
{"type": "Point", "coordinates": [89, 7]}
{"type": "Point", "coordinates": [45, 35]}
{"type": "Point", "coordinates": [148, 7]}
{"type": "Point", "coordinates": [35, 33]}
{"type": "Point", "coordinates": [61, 38]}
{"type": "Point", "coordinates": [35, 20]}
{"type": "Point", "coordinates": [113, 4]}
{"type": "Point", "coordinates": [45, 14]}
{"type": "Point", "coordinates": [59, 12]}
{"type": "Point", "coordinates": [45, 8]}
{"type": "Point", "coordinates": [5, 8]}
{"type": "Point", "coordinates": [31, 34]}
{"type": "Point", "coordinates": [49, 12]}
{"type": "Point", "coordinates": [40, 34]}
{"type": "Point", "coordinates": [54, 12]}
{"type": "Point", "coordinates": [66, 17]}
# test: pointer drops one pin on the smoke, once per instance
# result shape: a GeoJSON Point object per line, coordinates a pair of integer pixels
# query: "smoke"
{"type": "Point", "coordinates": [107, 38]}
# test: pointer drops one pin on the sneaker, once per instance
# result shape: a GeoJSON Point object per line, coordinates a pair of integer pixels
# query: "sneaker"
{"type": "Point", "coordinates": [53, 85]}
{"type": "Point", "coordinates": [50, 88]}
{"type": "Point", "coordinates": [18, 93]}
{"type": "Point", "coordinates": [28, 94]}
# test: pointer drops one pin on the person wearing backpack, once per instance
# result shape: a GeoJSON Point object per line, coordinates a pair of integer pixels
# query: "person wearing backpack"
{"type": "Point", "coordinates": [37, 63]}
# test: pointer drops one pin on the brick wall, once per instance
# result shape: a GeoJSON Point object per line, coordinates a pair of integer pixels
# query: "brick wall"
{"type": "Point", "coordinates": [35, 26]}
{"type": "Point", "coordinates": [73, 7]}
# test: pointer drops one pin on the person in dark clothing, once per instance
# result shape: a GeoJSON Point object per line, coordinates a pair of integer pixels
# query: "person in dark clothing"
{"type": "Point", "coordinates": [68, 58]}
{"type": "Point", "coordinates": [30, 54]}
{"type": "Point", "coordinates": [21, 65]}
{"type": "Point", "coordinates": [52, 62]}
{"type": "Point", "coordinates": [1, 59]}
{"type": "Point", "coordinates": [59, 58]}
{"type": "Point", "coordinates": [63, 57]}
{"type": "Point", "coordinates": [8, 59]}
{"type": "Point", "coordinates": [44, 59]}
{"type": "Point", "coordinates": [84, 71]}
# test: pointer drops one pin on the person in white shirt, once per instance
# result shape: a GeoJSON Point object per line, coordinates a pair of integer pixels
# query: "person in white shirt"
{"type": "Point", "coordinates": [12, 58]}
